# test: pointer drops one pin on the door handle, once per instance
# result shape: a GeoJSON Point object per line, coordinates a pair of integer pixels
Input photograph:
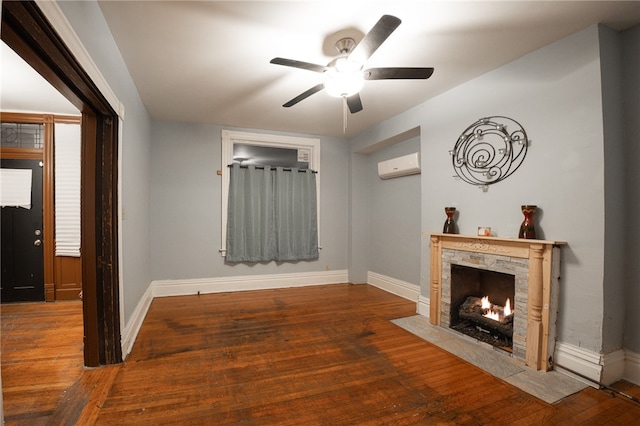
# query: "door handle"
{"type": "Point", "coordinates": [37, 243]}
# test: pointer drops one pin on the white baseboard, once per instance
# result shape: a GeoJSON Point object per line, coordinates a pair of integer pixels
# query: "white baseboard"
{"type": "Point", "coordinates": [632, 367]}
{"type": "Point", "coordinates": [424, 306]}
{"type": "Point", "coordinates": [577, 359]}
{"type": "Point", "coordinates": [163, 288]}
{"type": "Point", "coordinates": [131, 330]}
{"type": "Point", "coordinates": [613, 367]}
{"type": "Point", "coordinates": [399, 288]}
{"type": "Point", "coordinates": [606, 369]}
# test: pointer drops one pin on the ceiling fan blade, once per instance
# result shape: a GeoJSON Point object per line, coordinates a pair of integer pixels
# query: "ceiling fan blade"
{"type": "Point", "coordinates": [354, 103]}
{"type": "Point", "coordinates": [397, 73]}
{"type": "Point", "coordinates": [304, 95]}
{"type": "Point", "coordinates": [374, 38]}
{"type": "Point", "coordinates": [299, 64]}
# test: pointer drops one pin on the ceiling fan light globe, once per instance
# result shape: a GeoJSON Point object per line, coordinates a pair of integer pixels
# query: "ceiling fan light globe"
{"type": "Point", "coordinates": [341, 84]}
{"type": "Point", "coordinates": [344, 65]}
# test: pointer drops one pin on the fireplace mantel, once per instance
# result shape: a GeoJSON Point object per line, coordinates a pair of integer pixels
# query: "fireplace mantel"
{"type": "Point", "coordinates": [540, 256]}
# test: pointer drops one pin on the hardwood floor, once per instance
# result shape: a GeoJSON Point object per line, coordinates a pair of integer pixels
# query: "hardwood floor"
{"type": "Point", "coordinates": [325, 355]}
{"type": "Point", "coordinates": [41, 357]}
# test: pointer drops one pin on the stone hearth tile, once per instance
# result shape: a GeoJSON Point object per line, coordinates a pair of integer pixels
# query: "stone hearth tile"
{"type": "Point", "coordinates": [421, 327]}
{"type": "Point", "coordinates": [551, 386]}
{"type": "Point", "coordinates": [482, 356]}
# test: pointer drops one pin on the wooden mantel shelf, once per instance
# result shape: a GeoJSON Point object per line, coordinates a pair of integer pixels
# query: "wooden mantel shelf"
{"type": "Point", "coordinates": [496, 239]}
{"type": "Point", "coordinates": [540, 255]}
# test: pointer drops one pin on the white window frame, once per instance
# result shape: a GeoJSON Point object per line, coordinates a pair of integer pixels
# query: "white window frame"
{"type": "Point", "coordinates": [231, 138]}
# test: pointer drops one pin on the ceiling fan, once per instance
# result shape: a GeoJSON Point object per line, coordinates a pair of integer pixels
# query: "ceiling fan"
{"type": "Point", "coordinates": [344, 74]}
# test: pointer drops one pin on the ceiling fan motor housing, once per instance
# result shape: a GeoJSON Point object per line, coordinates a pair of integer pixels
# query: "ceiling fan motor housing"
{"type": "Point", "coordinates": [345, 45]}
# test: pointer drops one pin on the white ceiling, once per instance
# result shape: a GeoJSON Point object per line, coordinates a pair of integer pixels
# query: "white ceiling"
{"type": "Point", "coordinates": [208, 61]}
{"type": "Point", "coordinates": [22, 89]}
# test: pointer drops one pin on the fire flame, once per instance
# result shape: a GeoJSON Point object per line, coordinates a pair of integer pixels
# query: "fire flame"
{"type": "Point", "coordinates": [494, 313]}
{"type": "Point", "coordinates": [485, 303]}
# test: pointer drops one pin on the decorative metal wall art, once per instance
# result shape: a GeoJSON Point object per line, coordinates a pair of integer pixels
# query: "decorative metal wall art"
{"type": "Point", "coordinates": [489, 150]}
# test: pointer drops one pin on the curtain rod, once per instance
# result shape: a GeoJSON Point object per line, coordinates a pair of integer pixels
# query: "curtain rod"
{"type": "Point", "coordinates": [273, 168]}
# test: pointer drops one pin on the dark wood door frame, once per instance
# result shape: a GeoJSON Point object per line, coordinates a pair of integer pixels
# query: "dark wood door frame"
{"type": "Point", "coordinates": [27, 31]}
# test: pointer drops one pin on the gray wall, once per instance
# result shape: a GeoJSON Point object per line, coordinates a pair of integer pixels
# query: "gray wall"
{"type": "Point", "coordinates": [394, 224]}
{"type": "Point", "coordinates": [88, 22]}
{"type": "Point", "coordinates": [359, 219]}
{"type": "Point", "coordinates": [186, 205]}
{"type": "Point", "coordinates": [614, 214]}
{"type": "Point", "coordinates": [631, 112]}
{"type": "Point", "coordinates": [555, 93]}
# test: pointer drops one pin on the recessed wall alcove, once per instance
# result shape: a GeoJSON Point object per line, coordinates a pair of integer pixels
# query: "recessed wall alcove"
{"type": "Point", "coordinates": [535, 265]}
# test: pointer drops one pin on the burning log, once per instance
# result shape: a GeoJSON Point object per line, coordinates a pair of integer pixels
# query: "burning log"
{"type": "Point", "coordinates": [473, 310]}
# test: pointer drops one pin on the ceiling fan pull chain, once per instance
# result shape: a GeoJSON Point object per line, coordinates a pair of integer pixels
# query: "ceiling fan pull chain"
{"type": "Point", "coordinates": [344, 114]}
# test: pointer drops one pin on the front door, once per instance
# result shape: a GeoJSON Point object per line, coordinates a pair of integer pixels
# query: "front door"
{"type": "Point", "coordinates": [22, 249]}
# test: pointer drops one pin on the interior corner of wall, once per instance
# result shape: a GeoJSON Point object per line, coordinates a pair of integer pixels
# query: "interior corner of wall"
{"type": "Point", "coordinates": [613, 367]}
{"type": "Point", "coordinates": [424, 304]}
{"type": "Point", "coordinates": [632, 367]}
{"type": "Point", "coordinates": [132, 327]}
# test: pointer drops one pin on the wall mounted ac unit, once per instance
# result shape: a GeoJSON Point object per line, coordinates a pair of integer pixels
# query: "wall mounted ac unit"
{"type": "Point", "coordinates": [400, 166]}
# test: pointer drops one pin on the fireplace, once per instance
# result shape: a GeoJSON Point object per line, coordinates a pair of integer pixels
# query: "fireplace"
{"type": "Point", "coordinates": [482, 305]}
{"type": "Point", "coordinates": [525, 271]}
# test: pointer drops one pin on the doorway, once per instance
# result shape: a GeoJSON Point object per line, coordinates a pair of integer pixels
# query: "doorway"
{"type": "Point", "coordinates": [44, 253]}
{"type": "Point", "coordinates": [22, 249]}
{"type": "Point", "coordinates": [27, 31]}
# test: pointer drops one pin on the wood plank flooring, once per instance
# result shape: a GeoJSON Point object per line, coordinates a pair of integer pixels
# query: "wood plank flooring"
{"type": "Point", "coordinates": [41, 357]}
{"type": "Point", "coordinates": [323, 355]}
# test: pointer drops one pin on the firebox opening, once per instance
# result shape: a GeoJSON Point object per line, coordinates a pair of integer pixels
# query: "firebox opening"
{"type": "Point", "coordinates": [492, 325]}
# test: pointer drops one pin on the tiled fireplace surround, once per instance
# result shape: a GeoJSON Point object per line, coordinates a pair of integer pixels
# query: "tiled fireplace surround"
{"type": "Point", "coordinates": [535, 265]}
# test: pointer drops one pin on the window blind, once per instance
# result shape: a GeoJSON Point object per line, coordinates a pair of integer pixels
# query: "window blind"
{"type": "Point", "coordinates": [67, 189]}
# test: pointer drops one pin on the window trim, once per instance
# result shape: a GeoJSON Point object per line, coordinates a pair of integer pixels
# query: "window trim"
{"type": "Point", "coordinates": [230, 138]}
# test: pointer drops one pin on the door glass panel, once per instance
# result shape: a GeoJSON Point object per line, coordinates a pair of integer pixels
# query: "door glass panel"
{"type": "Point", "coordinates": [21, 135]}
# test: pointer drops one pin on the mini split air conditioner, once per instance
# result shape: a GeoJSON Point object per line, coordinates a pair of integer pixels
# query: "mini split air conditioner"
{"type": "Point", "coordinates": [400, 166]}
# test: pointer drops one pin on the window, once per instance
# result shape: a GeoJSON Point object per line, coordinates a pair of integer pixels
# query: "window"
{"type": "Point", "coordinates": [246, 155]}
{"type": "Point", "coordinates": [22, 135]}
{"type": "Point", "coordinates": [67, 188]}
{"type": "Point", "coordinates": [258, 149]}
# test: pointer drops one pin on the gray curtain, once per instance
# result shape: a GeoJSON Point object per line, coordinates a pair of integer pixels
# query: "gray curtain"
{"type": "Point", "coordinates": [272, 215]}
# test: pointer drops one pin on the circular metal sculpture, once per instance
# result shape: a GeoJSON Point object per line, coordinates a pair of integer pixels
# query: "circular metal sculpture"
{"type": "Point", "coordinates": [489, 150]}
